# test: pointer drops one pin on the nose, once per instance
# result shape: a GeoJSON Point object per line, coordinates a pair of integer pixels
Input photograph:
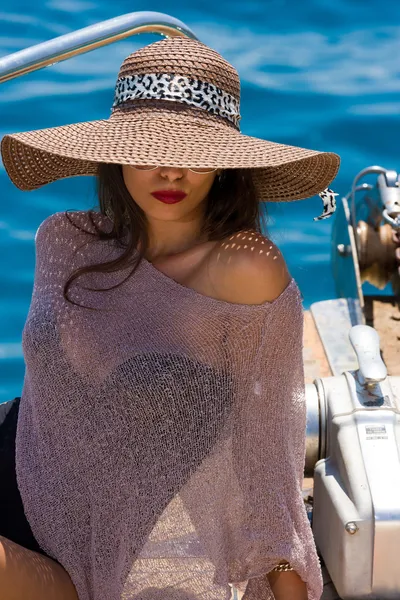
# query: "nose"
{"type": "Point", "coordinates": [171, 173]}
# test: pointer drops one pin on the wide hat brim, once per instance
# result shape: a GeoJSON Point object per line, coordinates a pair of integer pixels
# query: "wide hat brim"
{"type": "Point", "coordinates": [281, 172]}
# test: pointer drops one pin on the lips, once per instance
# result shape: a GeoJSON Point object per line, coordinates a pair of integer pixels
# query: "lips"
{"type": "Point", "coordinates": [169, 196]}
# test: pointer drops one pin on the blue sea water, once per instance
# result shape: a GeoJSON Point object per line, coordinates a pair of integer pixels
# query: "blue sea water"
{"type": "Point", "coordinates": [314, 74]}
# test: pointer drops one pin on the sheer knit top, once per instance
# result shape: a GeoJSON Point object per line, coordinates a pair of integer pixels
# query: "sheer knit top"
{"type": "Point", "coordinates": [161, 438]}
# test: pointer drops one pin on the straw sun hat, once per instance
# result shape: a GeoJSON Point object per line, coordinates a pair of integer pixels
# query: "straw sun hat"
{"type": "Point", "coordinates": [176, 104]}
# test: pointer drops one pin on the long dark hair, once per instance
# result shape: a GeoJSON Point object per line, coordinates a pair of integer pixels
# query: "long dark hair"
{"type": "Point", "coordinates": [232, 206]}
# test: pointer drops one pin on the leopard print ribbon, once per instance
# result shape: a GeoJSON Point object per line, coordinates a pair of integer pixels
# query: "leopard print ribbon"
{"type": "Point", "coordinates": [178, 88]}
{"type": "Point", "coordinates": [328, 199]}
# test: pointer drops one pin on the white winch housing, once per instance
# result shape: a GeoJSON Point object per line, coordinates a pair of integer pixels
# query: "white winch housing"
{"type": "Point", "coordinates": [356, 510]}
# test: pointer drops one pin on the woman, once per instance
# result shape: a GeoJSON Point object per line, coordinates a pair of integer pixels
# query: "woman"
{"type": "Point", "coordinates": [161, 427]}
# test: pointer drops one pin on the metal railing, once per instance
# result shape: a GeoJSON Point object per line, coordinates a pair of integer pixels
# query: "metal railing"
{"type": "Point", "coordinates": [81, 41]}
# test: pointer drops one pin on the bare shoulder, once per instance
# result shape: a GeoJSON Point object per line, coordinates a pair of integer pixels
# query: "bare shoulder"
{"type": "Point", "coordinates": [248, 268]}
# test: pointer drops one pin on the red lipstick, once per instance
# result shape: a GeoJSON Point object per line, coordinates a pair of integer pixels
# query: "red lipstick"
{"type": "Point", "coordinates": [169, 196]}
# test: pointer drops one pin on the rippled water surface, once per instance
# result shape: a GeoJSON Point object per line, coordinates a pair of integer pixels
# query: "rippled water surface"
{"type": "Point", "coordinates": [314, 74]}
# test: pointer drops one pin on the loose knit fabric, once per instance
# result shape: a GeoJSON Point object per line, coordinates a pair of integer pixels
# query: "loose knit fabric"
{"type": "Point", "coordinates": [161, 438]}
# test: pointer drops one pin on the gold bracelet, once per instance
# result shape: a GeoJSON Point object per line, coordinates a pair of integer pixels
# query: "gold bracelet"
{"type": "Point", "coordinates": [283, 566]}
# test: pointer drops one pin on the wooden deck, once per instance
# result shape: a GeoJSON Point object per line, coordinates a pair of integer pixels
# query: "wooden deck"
{"type": "Point", "coordinates": [316, 365]}
{"type": "Point", "coordinates": [381, 313]}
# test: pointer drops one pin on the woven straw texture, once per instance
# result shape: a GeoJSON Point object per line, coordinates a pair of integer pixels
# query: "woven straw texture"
{"type": "Point", "coordinates": [162, 132]}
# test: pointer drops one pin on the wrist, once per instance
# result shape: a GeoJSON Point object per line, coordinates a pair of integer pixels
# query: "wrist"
{"type": "Point", "coordinates": [287, 585]}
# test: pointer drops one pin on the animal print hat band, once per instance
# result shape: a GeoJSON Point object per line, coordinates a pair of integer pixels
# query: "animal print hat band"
{"type": "Point", "coordinates": [176, 103]}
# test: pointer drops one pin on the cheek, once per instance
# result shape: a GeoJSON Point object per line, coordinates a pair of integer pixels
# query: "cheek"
{"type": "Point", "coordinates": [130, 178]}
{"type": "Point", "coordinates": [135, 183]}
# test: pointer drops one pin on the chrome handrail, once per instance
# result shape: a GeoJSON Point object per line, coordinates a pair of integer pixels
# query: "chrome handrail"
{"type": "Point", "coordinates": [89, 38]}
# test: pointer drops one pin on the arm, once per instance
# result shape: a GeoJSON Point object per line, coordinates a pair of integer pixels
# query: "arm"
{"type": "Point", "coordinates": [260, 276]}
{"type": "Point", "coordinates": [287, 585]}
{"type": "Point", "coordinates": [252, 514]}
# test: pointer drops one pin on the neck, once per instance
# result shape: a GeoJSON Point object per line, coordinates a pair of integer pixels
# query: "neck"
{"type": "Point", "coordinates": [174, 239]}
